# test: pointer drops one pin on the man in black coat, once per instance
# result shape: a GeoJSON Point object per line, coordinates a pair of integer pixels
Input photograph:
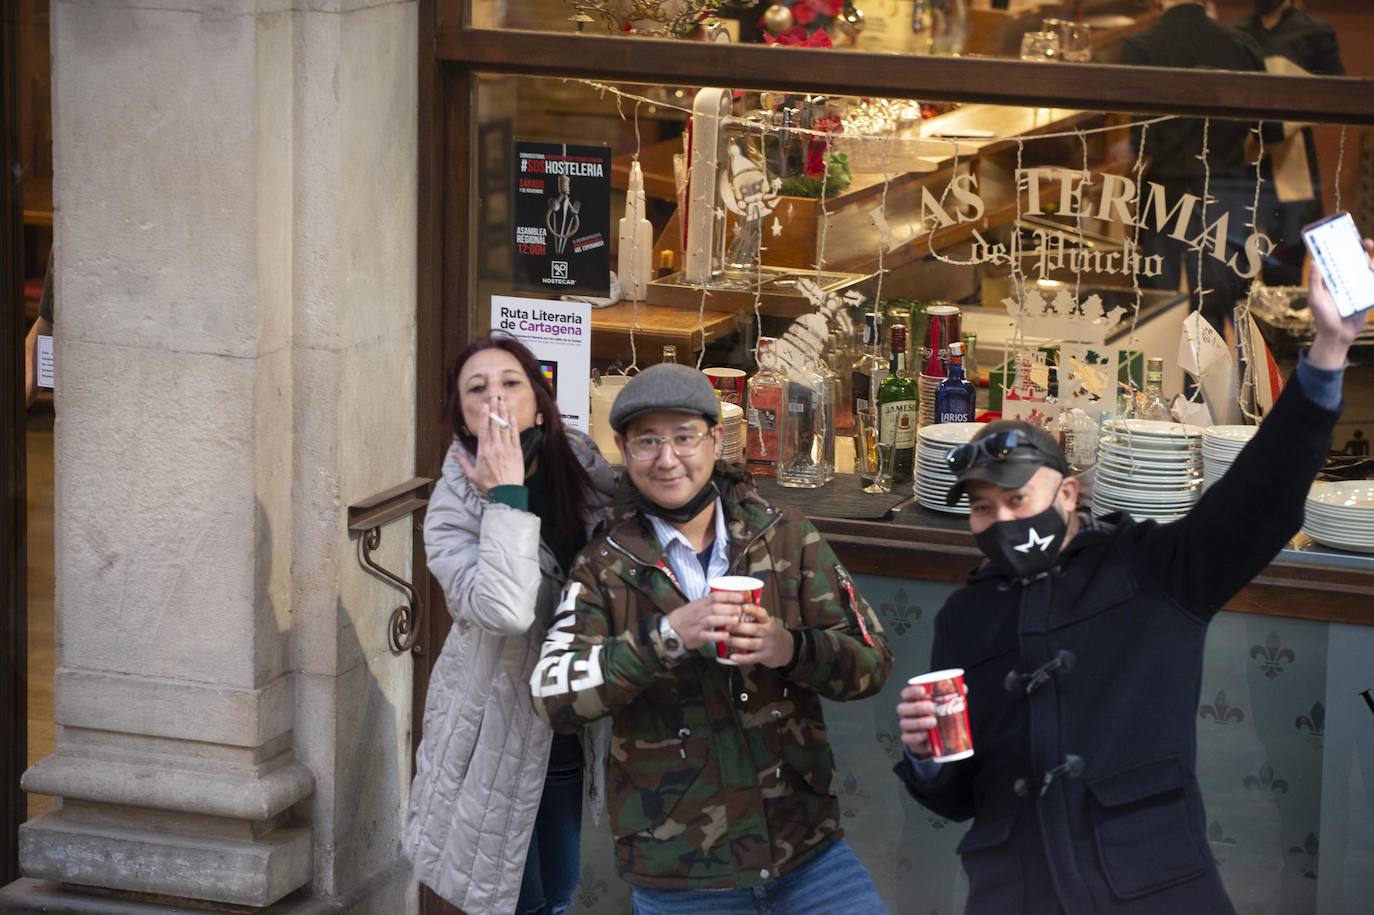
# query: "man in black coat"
{"type": "Point", "coordinates": [1185, 37]}
{"type": "Point", "coordinates": [1282, 29]}
{"type": "Point", "coordinates": [1082, 644]}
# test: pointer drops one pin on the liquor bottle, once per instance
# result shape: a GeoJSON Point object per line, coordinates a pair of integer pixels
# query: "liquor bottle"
{"type": "Point", "coordinates": [971, 368]}
{"type": "Point", "coordinates": [867, 374]}
{"type": "Point", "coordinates": [763, 398]}
{"type": "Point", "coordinates": [636, 240]}
{"type": "Point", "coordinates": [833, 394]}
{"type": "Point", "coordinates": [897, 411]}
{"type": "Point", "coordinates": [805, 425]}
{"type": "Point", "coordinates": [955, 397]}
{"type": "Point", "coordinates": [1152, 404]}
{"type": "Point", "coordinates": [669, 353]}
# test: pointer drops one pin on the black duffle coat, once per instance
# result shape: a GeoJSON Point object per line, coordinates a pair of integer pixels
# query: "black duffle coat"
{"type": "Point", "coordinates": [1082, 788]}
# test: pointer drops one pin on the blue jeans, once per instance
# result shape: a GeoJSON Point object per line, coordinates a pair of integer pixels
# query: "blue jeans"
{"type": "Point", "coordinates": [833, 881]}
{"type": "Point", "coordinates": [554, 862]}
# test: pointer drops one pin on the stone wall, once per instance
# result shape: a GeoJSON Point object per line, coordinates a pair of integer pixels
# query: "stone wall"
{"type": "Point", "coordinates": [235, 224]}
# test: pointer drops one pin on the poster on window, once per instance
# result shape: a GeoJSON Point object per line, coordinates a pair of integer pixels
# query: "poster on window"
{"type": "Point", "coordinates": [562, 218]}
{"type": "Point", "coordinates": [559, 336]}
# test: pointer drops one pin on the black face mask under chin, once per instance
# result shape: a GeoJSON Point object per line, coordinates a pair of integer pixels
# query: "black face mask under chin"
{"type": "Point", "coordinates": [531, 440]}
{"type": "Point", "coordinates": [683, 513]}
{"type": "Point", "coordinates": [1025, 547]}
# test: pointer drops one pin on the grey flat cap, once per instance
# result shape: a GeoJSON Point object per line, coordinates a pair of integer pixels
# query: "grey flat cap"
{"type": "Point", "coordinates": [667, 386]}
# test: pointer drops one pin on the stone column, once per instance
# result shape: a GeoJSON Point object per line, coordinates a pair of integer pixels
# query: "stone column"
{"type": "Point", "coordinates": [235, 225]}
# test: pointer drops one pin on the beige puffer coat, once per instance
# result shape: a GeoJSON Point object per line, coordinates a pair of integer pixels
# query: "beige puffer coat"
{"type": "Point", "coordinates": [479, 772]}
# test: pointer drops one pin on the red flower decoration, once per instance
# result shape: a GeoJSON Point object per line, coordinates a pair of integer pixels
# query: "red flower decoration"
{"type": "Point", "coordinates": [797, 38]}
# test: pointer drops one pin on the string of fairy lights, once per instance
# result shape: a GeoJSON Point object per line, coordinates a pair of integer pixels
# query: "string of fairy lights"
{"type": "Point", "coordinates": [705, 196]}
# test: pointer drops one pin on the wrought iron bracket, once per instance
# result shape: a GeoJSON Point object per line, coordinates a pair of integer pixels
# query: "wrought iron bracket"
{"type": "Point", "coordinates": [367, 519]}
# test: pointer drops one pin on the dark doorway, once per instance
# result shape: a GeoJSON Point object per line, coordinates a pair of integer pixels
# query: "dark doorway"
{"type": "Point", "coordinates": [13, 618]}
{"type": "Point", "coordinates": [26, 415]}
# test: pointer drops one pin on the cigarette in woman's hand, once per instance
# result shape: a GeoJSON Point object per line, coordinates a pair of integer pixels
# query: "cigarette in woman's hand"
{"type": "Point", "coordinates": [499, 421]}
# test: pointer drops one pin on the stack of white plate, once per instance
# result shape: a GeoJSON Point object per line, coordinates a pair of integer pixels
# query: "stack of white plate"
{"type": "Point", "coordinates": [933, 476]}
{"type": "Point", "coordinates": [1341, 515]}
{"type": "Point", "coordinates": [926, 386]}
{"type": "Point", "coordinates": [1220, 445]}
{"type": "Point", "coordinates": [732, 425]}
{"type": "Point", "coordinates": [1147, 468]}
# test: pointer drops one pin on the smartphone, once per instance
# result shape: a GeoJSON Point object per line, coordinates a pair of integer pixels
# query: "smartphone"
{"type": "Point", "coordinates": [1336, 247]}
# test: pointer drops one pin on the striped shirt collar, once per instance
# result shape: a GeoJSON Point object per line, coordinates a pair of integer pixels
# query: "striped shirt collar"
{"type": "Point", "coordinates": [682, 558]}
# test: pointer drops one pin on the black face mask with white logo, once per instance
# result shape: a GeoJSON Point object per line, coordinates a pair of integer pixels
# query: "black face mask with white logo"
{"type": "Point", "coordinates": [1025, 547]}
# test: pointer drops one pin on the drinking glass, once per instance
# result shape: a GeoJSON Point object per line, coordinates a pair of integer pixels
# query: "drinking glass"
{"type": "Point", "coordinates": [887, 452]}
{"type": "Point", "coordinates": [1075, 39]}
{"type": "Point", "coordinates": [1040, 46]}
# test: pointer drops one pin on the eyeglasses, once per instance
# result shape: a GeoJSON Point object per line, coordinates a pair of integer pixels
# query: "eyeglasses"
{"type": "Point", "coordinates": [648, 447]}
{"type": "Point", "coordinates": [994, 447]}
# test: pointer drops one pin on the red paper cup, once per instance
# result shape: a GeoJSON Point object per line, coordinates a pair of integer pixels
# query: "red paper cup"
{"type": "Point", "coordinates": [729, 383]}
{"type": "Point", "coordinates": [751, 588]}
{"type": "Point", "coordinates": [942, 329]}
{"type": "Point", "coordinates": [951, 738]}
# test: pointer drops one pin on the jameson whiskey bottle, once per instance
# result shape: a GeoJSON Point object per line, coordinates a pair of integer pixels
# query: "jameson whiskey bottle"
{"type": "Point", "coordinates": [867, 375]}
{"type": "Point", "coordinates": [897, 411]}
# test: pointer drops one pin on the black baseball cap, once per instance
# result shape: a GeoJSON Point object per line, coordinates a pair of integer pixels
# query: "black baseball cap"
{"type": "Point", "coordinates": [1005, 453]}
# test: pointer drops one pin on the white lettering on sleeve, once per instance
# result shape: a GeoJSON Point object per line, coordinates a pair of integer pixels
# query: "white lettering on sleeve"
{"type": "Point", "coordinates": [551, 674]}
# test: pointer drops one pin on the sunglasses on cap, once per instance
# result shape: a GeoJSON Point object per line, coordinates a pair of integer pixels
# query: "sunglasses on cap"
{"type": "Point", "coordinates": [995, 447]}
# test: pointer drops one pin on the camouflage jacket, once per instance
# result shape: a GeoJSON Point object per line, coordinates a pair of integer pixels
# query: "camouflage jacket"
{"type": "Point", "coordinates": [718, 776]}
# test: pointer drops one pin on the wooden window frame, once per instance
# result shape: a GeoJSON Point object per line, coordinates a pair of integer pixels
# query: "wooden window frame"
{"type": "Point", "coordinates": [453, 54]}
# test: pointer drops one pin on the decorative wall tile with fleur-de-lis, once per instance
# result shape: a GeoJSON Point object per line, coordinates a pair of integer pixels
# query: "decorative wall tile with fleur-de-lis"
{"type": "Point", "coordinates": [852, 796]}
{"type": "Point", "coordinates": [1306, 856]}
{"type": "Point", "coordinates": [1216, 834]}
{"type": "Point", "coordinates": [891, 742]}
{"type": "Point", "coordinates": [1266, 782]}
{"type": "Point", "coordinates": [1220, 842]}
{"type": "Point", "coordinates": [1221, 711]}
{"type": "Point", "coordinates": [591, 888]}
{"type": "Point", "coordinates": [900, 614]}
{"type": "Point", "coordinates": [1272, 656]}
{"type": "Point", "coordinates": [1313, 724]}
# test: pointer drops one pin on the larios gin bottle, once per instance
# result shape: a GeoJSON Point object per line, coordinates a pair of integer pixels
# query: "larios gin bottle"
{"type": "Point", "coordinates": [764, 400]}
{"type": "Point", "coordinates": [954, 398]}
{"type": "Point", "coordinates": [897, 411]}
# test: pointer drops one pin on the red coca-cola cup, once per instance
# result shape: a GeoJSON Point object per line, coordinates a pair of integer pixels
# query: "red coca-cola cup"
{"type": "Point", "coordinates": [951, 738]}
{"type": "Point", "coordinates": [751, 588]}
{"type": "Point", "coordinates": [942, 329]}
{"type": "Point", "coordinates": [729, 383]}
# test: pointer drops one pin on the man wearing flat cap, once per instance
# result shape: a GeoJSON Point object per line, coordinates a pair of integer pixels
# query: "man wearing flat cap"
{"type": "Point", "coordinates": [721, 780]}
{"type": "Point", "coordinates": [1081, 640]}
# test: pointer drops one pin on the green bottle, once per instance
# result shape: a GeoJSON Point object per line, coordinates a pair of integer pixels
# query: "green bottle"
{"type": "Point", "coordinates": [897, 411]}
